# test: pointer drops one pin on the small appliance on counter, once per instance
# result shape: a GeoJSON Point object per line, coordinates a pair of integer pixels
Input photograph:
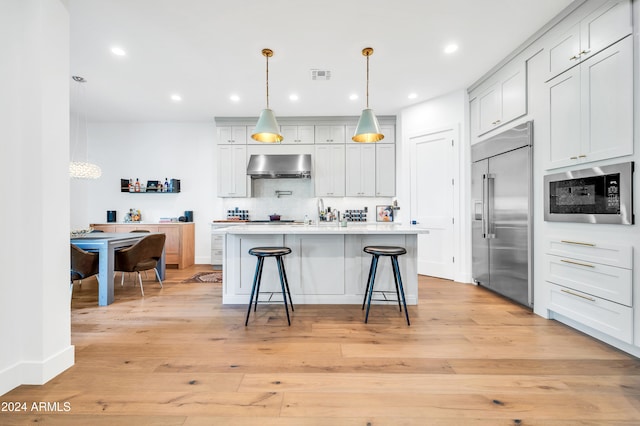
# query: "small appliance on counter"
{"type": "Point", "coordinates": [188, 215]}
{"type": "Point", "coordinates": [111, 216]}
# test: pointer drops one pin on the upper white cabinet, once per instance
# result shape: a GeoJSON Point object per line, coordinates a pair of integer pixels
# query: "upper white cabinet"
{"type": "Point", "coordinates": [361, 170]}
{"type": "Point", "coordinates": [385, 170]}
{"type": "Point", "coordinates": [504, 100]}
{"type": "Point", "coordinates": [389, 132]}
{"type": "Point", "coordinates": [232, 135]}
{"type": "Point", "coordinates": [329, 170]}
{"type": "Point", "coordinates": [329, 134]}
{"type": "Point", "coordinates": [298, 134]}
{"type": "Point", "coordinates": [597, 31]}
{"type": "Point", "coordinates": [591, 108]}
{"type": "Point", "coordinates": [232, 170]}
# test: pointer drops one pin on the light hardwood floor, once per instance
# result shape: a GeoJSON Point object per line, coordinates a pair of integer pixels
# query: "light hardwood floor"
{"type": "Point", "coordinates": [179, 357]}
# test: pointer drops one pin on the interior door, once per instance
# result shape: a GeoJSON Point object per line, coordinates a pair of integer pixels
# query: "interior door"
{"type": "Point", "coordinates": [432, 195]}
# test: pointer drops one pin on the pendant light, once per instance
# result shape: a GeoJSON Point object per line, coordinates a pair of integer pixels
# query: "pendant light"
{"type": "Point", "coordinates": [81, 169]}
{"type": "Point", "coordinates": [267, 129]}
{"type": "Point", "coordinates": [368, 129]}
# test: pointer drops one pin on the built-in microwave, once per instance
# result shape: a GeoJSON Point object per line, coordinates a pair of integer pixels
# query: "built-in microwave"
{"type": "Point", "coordinates": [602, 194]}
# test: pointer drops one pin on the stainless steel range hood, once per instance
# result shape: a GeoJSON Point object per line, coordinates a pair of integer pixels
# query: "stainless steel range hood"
{"type": "Point", "coordinates": [272, 166]}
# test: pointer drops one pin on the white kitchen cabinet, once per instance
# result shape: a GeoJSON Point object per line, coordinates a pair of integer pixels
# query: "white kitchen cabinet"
{"type": "Point", "coordinates": [232, 170]}
{"type": "Point", "coordinates": [591, 108]}
{"type": "Point", "coordinates": [599, 314]}
{"type": "Point", "coordinates": [360, 170]}
{"type": "Point", "coordinates": [329, 134]}
{"type": "Point", "coordinates": [298, 134]}
{"type": "Point", "coordinates": [385, 170]}
{"type": "Point", "coordinates": [504, 100]}
{"type": "Point", "coordinates": [232, 135]}
{"type": "Point", "coordinates": [389, 132]}
{"type": "Point", "coordinates": [591, 283]}
{"type": "Point", "coordinates": [329, 170]}
{"type": "Point", "coordinates": [474, 120]}
{"type": "Point", "coordinates": [600, 29]}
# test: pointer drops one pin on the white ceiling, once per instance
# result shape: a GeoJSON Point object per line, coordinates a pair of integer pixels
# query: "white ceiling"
{"type": "Point", "coordinates": [206, 50]}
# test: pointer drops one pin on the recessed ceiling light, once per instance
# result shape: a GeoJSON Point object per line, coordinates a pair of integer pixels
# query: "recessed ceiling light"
{"type": "Point", "coordinates": [118, 51]}
{"type": "Point", "coordinates": [353, 97]}
{"type": "Point", "coordinates": [176, 98]}
{"type": "Point", "coordinates": [293, 97]}
{"type": "Point", "coordinates": [450, 48]}
{"type": "Point", "coordinates": [234, 98]}
{"type": "Point", "coordinates": [412, 95]}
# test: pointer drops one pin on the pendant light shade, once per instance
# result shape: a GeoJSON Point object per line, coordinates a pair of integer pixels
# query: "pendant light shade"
{"type": "Point", "coordinates": [81, 169]}
{"type": "Point", "coordinates": [267, 129]}
{"type": "Point", "coordinates": [368, 129]}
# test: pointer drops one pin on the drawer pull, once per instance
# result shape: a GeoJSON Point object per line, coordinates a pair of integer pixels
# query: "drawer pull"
{"type": "Point", "coordinates": [577, 263]}
{"type": "Point", "coordinates": [578, 243]}
{"type": "Point", "coordinates": [591, 299]}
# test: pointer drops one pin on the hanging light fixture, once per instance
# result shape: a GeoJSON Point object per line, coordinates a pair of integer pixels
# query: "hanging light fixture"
{"type": "Point", "coordinates": [81, 169]}
{"type": "Point", "coordinates": [267, 129]}
{"type": "Point", "coordinates": [368, 129]}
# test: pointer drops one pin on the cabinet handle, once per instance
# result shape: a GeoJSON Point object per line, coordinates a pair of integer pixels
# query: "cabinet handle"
{"type": "Point", "coordinates": [577, 55]}
{"type": "Point", "coordinates": [578, 243]}
{"type": "Point", "coordinates": [577, 263]}
{"type": "Point", "coordinates": [582, 156]}
{"type": "Point", "coordinates": [573, 158]}
{"type": "Point", "coordinates": [591, 299]}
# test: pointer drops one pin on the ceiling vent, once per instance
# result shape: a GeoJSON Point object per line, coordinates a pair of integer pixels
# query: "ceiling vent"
{"type": "Point", "coordinates": [320, 75]}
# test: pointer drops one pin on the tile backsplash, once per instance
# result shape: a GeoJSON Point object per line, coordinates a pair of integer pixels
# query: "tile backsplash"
{"type": "Point", "coordinates": [295, 201]}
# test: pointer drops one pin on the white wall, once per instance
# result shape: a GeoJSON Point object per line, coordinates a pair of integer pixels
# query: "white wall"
{"type": "Point", "coordinates": [152, 151]}
{"type": "Point", "coordinates": [35, 327]}
{"type": "Point", "coordinates": [448, 111]}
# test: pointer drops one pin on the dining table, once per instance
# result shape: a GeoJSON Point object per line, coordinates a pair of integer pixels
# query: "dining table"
{"type": "Point", "coordinates": [106, 244]}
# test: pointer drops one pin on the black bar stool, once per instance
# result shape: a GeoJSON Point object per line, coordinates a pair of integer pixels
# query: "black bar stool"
{"type": "Point", "coordinates": [393, 253]}
{"type": "Point", "coordinates": [261, 253]}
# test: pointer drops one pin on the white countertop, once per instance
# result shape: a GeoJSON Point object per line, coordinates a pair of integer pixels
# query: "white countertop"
{"type": "Point", "coordinates": [323, 229]}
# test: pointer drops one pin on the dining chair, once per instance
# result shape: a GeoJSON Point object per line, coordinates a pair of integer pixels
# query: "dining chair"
{"type": "Point", "coordinates": [142, 256]}
{"type": "Point", "coordinates": [84, 264]}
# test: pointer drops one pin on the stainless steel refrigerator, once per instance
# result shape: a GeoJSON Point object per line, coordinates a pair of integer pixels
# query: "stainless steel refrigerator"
{"type": "Point", "coordinates": [501, 188]}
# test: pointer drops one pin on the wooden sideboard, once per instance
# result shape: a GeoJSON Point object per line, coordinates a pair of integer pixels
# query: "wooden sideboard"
{"type": "Point", "coordinates": [180, 243]}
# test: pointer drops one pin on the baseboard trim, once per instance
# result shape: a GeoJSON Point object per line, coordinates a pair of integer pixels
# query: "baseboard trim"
{"type": "Point", "coordinates": [36, 372]}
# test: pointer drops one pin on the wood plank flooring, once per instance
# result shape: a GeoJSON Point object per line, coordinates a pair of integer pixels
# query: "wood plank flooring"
{"type": "Point", "coordinates": [179, 357]}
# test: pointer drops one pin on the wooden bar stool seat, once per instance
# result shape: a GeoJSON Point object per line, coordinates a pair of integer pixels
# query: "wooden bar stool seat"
{"type": "Point", "coordinates": [393, 252]}
{"type": "Point", "coordinates": [261, 253]}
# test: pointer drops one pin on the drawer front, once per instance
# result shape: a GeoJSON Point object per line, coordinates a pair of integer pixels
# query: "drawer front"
{"type": "Point", "coordinates": [598, 280]}
{"type": "Point", "coordinates": [216, 257]}
{"type": "Point", "coordinates": [216, 242]}
{"type": "Point", "coordinates": [589, 251]}
{"type": "Point", "coordinates": [610, 318]}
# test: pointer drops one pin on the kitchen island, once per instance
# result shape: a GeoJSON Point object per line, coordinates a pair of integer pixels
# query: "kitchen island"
{"type": "Point", "coordinates": [326, 265]}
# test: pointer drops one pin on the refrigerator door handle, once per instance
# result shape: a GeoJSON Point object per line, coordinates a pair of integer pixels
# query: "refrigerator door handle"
{"type": "Point", "coordinates": [485, 206]}
{"type": "Point", "coordinates": [490, 225]}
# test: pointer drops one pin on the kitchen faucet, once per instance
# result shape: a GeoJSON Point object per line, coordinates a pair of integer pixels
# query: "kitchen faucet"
{"type": "Point", "coordinates": [320, 206]}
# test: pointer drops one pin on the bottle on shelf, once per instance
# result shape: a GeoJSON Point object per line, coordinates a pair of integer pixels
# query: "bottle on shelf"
{"type": "Point", "coordinates": [130, 185]}
{"type": "Point", "coordinates": [166, 185]}
{"type": "Point", "coordinates": [137, 186]}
